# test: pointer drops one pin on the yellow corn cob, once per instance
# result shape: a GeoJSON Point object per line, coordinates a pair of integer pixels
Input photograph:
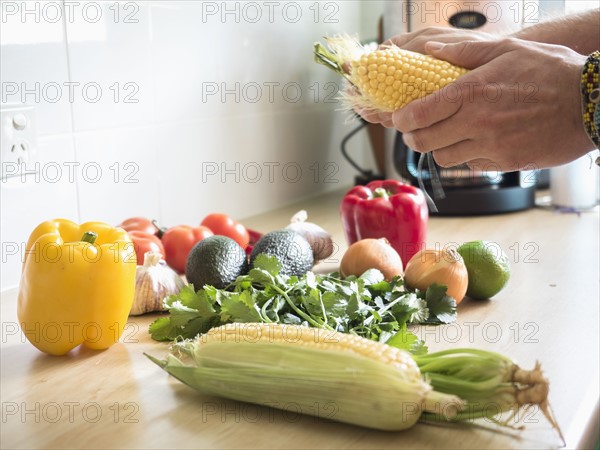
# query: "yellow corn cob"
{"type": "Point", "coordinates": [388, 78]}
{"type": "Point", "coordinates": [309, 370]}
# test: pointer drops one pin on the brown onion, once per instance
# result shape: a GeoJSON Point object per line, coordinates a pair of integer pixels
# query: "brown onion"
{"type": "Point", "coordinates": [440, 267]}
{"type": "Point", "coordinates": [371, 254]}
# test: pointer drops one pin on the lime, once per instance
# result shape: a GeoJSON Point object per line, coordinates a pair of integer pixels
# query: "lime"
{"type": "Point", "coordinates": [487, 266]}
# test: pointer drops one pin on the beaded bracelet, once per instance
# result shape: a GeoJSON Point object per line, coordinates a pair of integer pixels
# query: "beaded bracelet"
{"type": "Point", "coordinates": [590, 91]}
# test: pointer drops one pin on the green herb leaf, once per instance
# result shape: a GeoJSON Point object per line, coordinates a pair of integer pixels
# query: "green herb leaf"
{"type": "Point", "coordinates": [407, 340]}
{"type": "Point", "coordinates": [261, 276]}
{"type": "Point", "coordinates": [163, 330]}
{"type": "Point", "coordinates": [442, 307]}
{"type": "Point", "coordinates": [187, 297]}
{"type": "Point", "coordinates": [372, 276]}
{"type": "Point", "coordinates": [240, 307]}
{"type": "Point", "coordinates": [267, 263]}
{"type": "Point", "coordinates": [367, 305]}
{"type": "Point", "coordinates": [409, 308]}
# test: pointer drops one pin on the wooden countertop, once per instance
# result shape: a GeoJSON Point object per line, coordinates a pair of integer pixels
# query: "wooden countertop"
{"type": "Point", "coordinates": [118, 399]}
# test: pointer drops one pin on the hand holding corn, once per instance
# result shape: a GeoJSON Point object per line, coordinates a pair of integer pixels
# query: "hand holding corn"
{"type": "Point", "coordinates": [388, 78]}
{"type": "Point", "coordinates": [519, 107]}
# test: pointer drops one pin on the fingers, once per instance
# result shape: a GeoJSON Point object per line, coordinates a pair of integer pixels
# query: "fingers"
{"type": "Point", "coordinates": [470, 152]}
{"type": "Point", "coordinates": [429, 110]}
{"type": "Point", "coordinates": [402, 40]}
{"type": "Point", "coordinates": [387, 121]}
{"type": "Point", "coordinates": [470, 54]}
{"type": "Point", "coordinates": [457, 154]}
{"type": "Point", "coordinates": [416, 40]}
{"type": "Point", "coordinates": [438, 136]}
{"type": "Point", "coordinates": [369, 115]}
{"type": "Point", "coordinates": [374, 116]}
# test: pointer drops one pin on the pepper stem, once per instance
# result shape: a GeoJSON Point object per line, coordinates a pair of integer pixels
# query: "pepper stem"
{"type": "Point", "coordinates": [381, 193]}
{"type": "Point", "coordinates": [89, 236]}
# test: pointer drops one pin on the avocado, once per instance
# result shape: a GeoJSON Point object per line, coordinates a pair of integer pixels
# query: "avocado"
{"type": "Point", "coordinates": [293, 251]}
{"type": "Point", "coordinates": [217, 261]}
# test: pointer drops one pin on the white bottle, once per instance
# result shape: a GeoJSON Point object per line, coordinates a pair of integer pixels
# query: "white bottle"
{"type": "Point", "coordinates": [575, 185]}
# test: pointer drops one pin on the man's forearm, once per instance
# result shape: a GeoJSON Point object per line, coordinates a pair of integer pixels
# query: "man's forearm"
{"type": "Point", "coordinates": [579, 32]}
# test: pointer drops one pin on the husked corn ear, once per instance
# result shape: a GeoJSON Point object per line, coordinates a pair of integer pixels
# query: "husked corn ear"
{"type": "Point", "coordinates": [323, 373]}
{"type": "Point", "coordinates": [388, 78]}
{"type": "Point", "coordinates": [393, 77]}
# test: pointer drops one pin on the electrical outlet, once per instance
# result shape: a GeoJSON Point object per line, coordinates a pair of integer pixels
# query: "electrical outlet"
{"type": "Point", "coordinates": [19, 141]}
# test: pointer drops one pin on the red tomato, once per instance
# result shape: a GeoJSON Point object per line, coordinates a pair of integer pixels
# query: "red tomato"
{"type": "Point", "coordinates": [178, 242]}
{"type": "Point", "coordinates": [139, 224]}
{"type": "Point", "coordinates": [224, 225]}
{"type": "Point", "coordinates": [144, 242]}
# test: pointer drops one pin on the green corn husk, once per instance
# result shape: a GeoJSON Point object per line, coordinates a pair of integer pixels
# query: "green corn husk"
{"type": "Point", "coordinates": [490, 383]}
{"type": "Point", "coordinates": [365, 383]}
{"type": "Point", "coordinates": [313, 376]}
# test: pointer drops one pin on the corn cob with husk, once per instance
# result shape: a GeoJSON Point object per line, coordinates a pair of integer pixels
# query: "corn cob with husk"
{"type": "Point", "coordinates": [385, 79]}
{"type": "Point", "coordinates": [371, 384]}
{"type": "Point", "coordinates": [368, 383]}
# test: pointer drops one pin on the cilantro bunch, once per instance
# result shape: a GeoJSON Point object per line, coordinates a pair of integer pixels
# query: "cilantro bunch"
{"type": "Point", "coordinates": [367, 306]}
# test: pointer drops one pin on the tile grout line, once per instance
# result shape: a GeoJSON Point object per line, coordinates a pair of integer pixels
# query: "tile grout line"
{"type": "Point", "coordinates": [71, 108]}
{"type": "Point", "coordinates": [150, 31]}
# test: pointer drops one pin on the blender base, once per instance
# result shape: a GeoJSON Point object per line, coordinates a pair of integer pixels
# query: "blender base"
{"type": "Point", "coordinates": [485, 200]}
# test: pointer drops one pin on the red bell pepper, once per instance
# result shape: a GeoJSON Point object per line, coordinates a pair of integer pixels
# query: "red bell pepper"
{"type": "Point", "coordinates": [387, 209]}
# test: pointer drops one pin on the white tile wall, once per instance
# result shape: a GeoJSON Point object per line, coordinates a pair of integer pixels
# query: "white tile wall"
{"type": "Point", "coordinates": [33, 60]}
{"type": "Point", "coordinates": [111, 61]}
{"type": "Point", "coordinates": [164, 132]}
{"type": "Point", "coordinates": [118, 174]}
{"type": "Point", "coordinates": [27, 202]}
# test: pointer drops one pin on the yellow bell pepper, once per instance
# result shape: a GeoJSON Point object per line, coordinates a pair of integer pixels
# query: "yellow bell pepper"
{"type": "Point", "coordinates": [77, 285]}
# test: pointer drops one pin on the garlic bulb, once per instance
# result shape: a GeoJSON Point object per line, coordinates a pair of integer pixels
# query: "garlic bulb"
{"type": "Point", "coordinates": [153, 282]}
{"type": "Point", "coordinates": [319, 239]}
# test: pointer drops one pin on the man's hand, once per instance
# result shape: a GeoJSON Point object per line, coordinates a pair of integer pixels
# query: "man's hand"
{"type": "Point", "coordinates": [416, 40]}
{"type": "Point", "coordinates": [520, 107]}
